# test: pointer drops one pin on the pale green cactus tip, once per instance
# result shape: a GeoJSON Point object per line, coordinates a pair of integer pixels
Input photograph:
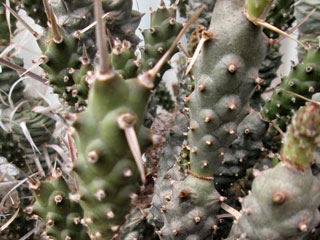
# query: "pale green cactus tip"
{"type": "Point", "coordinates": [302, 137]}
{"type": "Point", "coordinates": [257, 8]}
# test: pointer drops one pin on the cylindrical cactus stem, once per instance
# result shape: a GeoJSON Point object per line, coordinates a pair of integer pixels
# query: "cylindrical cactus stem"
{"type": "Point", "coordinates": [284, 200]}
{"type": "Point", "coordinates": [225, 79]}
{"type": "Point", "coordinates": [108, 134]}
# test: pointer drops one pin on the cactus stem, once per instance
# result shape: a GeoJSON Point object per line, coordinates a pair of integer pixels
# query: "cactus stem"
{"type": "Point", "coordinates": [26, 25]}
{"type": "Point", "coordinates": [126, 122]}
{"type": "Point", "coordinates": [204, 37]}
{"type": "Point", "coordinates": [105, 66]}
{"type": "Point", "coordinates": [149, 77]}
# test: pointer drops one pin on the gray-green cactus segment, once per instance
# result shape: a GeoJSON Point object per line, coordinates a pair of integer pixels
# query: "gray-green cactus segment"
{"type": "Point", "coordinates": [303, 80]}
{"type": "Point", "coordinates": [243, 152]}
{"type": "Point", "coordinates": [225, 79]}
{"type": "Point", "coordinates": [66, 70]}
{"type": "Point", "coordinates": [281, 15]}
{"type": "Point", "coordinates": [105, 169]}
{"type": "Point", "coordinates": [170, 155]}
{"type": "Point", "coordinates": [310, 29]}
{"type": "Point", "coordinates": [188, 206]}
{"type": "Point", "coordinates": [284, 201]}
{"type": "Point", "coordinates": [282, 205]}
{"type": "Point", "coordinates": [61, 215]}
{"type": "Point", "coordinates": [121, 20]}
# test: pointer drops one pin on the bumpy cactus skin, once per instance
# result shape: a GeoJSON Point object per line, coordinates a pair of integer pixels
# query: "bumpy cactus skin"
{"type": "Point", "coordinates": [66, 70]}
{"type": "Point", "coordinates": [105, 170]}
{"type": "Point", "coordinates": [53, 205]}
{"type": "Point", "coordinates": [224, 85]}
{"type": "Point", "coordinates": [276, 208]}
{"type": "Point", "coordinates": [303, 79]}
{"type": "Point", "coordinates": [309, 30]}
{"type": "Point", "coordinates": [159, 37]}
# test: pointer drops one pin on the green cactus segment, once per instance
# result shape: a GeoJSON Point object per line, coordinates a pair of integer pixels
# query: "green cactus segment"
{"type": "Point", "coordinates": [302, 137]}
{"type": "Point", "coordinates": [35, 10]}
{"type": "Point", "coordinates": [123, 59]}
{"type": "Point", "coordinates": [159, 38]}
{"type": "Point", "coordinates": [243, 153]}
{"type": "Point", "coordinates": [276, 207]}
{"type": "Point", "coordinates": [225, 76]}
{"type": "Point", "coordinates": [67, 72]}
{"type": "Point", "coordinates": [310, 29]}
{"type": "Point", "coordinates": [257, 8]}
{"type": "Point", "coordinates": [61, 215]}
{"type": "Point", "coordinates": [105, 169]}
{"type": "Point", "coordinates": [281, 15]}
{"type": "Point", "coordinates": [303, 79]}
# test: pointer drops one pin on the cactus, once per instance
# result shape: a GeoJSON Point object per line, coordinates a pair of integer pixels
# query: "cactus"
{"type": "Point", "coordinates": [309, 30]}
{"type": "Point", "coordinates": [61, 215]}
{"type": "Point", "coordinates": [281, 192]}
{"type": "Point", "coordinates": [303, 79]}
